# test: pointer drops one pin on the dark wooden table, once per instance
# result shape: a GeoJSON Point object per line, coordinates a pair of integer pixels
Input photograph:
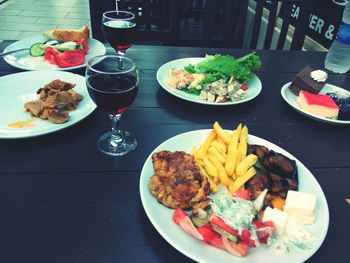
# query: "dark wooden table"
{"type": "Point", "coordinates": [61, 200]}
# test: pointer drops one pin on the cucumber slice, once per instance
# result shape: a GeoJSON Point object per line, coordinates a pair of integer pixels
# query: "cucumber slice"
{"type": "Point", "coordinates": [37, 50]}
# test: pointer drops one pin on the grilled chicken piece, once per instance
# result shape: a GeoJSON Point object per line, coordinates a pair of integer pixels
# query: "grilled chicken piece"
{"type": "Point", "coordinates": [177, 182]}
{"type": "Point", "coordinates": [56, 85]}
{"type": "Point", "coordinates": [34, 107]}
{"type": "Point", "coordinates": [57, 116]}
{"type": "Point", "coordinates": [55, 100]}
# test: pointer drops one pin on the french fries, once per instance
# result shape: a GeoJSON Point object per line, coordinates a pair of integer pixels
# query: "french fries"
{"type": "Point", "coordinates": [245, 164]}
{"type": "Point", "coordinates": [221, 133]}
{"type": "Point", "coordinates": [205, 146]}
{"type": "Point", "coordinates": [223, 158]}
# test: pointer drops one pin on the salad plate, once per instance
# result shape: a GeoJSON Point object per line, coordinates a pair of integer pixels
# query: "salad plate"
{"type": "Point", "coordinates": [254, 84]}
{"type": "Point", "coordinates": [17, 89]}
{"type": "Point", "coordinates": [23, 60]}
{"type": "Point", "coordinates": [291, 99]}
{"type": "Point", "coordinates": [161, 216]}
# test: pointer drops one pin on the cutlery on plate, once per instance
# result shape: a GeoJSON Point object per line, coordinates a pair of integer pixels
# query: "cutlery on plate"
{"type": "Point", "coordinates": [12, 51]}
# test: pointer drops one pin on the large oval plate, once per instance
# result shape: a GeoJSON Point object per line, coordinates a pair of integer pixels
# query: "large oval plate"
{"type": "Point", "coordinates": [161, 216]}
{"type": "Point", "coordinates": [24, 61]}
{"type": "Point", "coordinates": [254, 85]}
{"type": "Point", "coordinates": [17, 89]}
{"type": "Point", "coordinates": [291, 99]}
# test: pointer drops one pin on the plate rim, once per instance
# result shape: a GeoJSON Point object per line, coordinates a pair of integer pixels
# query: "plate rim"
{"type": "Point", "coordinates": [9, 62]}
{"type": "Point", "coordinates": [203, 102]}
{"type": "Point", "coordinates": [285, 89]}
{"type": "Point", "coordinates": [195, 257]}
{"type": "Point", "coordinates": [59, 128]}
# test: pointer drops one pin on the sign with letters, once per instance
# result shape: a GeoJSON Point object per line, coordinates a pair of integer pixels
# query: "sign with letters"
{"type": "Point", "coordinates": [324, 21]}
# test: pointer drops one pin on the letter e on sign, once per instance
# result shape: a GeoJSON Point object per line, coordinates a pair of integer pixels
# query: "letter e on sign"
{"type": "Point", "coordinates": [313, 20]}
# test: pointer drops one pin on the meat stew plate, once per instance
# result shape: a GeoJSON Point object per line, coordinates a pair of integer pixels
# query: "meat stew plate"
{"type": "Point", "coordinates": [161, 216]}
{"type": "Point", "coordinates": [19, 88]}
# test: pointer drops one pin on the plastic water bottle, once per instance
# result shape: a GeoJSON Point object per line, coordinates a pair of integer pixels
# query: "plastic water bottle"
{"type": "Point", "coordinates": [338, 57]}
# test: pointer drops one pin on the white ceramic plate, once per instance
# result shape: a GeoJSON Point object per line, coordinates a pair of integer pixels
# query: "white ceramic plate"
{"type": "Point", "coordinates": [161, 216]}
{"type": "Point", "coordinates": [17, 89]}
{"type": "Point", "coordinates": [254, 85]}
{"type": "Point", "coordinates": [291, 99]}
{"type": "Point", "coordinates": [24, 61]}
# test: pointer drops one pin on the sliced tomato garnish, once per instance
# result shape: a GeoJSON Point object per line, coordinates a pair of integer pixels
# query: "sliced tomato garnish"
{"type": "Point", "coordinates": [84, 45]}
{"type": "Point", "coordinates": [184, 221]}
{"type": "Point", "coordinates": [66, 59]}
{"type": "Point", "coordinates": [72, 58]}
{"type": "Point", "coordinates": [179, 215]}
{"type": "Point", "coordinates": [243, 194]}
{"type": "Point", "coordinates": [263, 230]}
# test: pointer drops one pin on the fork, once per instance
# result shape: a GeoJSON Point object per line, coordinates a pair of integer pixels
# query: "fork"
{"type": "Point", "coordinates": [12, 51]}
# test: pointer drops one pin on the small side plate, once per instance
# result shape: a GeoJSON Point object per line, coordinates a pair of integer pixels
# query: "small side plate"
{"type": "Point", "coordinates": [291, 99]}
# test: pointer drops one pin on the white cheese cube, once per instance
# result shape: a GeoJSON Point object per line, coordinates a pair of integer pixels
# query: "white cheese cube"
{"type": "Point", "coordinates": [278, 217]}
{"type": "Point", "coordinates": [301, 205]}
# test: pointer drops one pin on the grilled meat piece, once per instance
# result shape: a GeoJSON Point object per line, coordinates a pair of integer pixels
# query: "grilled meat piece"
{"type": "Point", "coordinates": [57, 116]}
{"type": "Point", "coordinates": [55, 100]}
{"type": "Point", "coordinates": [275, 172]}
{"type": "Point", "coordinates": [261, 151]}
{"type": "Point", "coordinates": [258, 183]}
{"type": "Point", "coordinates": [275, 162]}
{"type": "Point", "coordinates": [55, 85]}
{"type": "Point", "coordinates": [282, 165]}
{"type": "Point", "coordinates": [177, 182]}
{"type": "Point", "coordinates": [34, 107]}
{"type": "Point", "coordinates": [280, 185]}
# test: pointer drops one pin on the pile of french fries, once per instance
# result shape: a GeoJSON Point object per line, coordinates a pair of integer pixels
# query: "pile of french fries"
{"type": "Point", "coordinates": [223, 158]}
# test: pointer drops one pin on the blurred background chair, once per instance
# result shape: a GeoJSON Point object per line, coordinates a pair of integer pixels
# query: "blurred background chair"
{"type": "Point", "coordinates": [255, 24]}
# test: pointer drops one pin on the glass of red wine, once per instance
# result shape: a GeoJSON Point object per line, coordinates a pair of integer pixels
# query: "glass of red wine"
{"type": "Point", "coordinates": [119, 28]}
{"type": "Point", "coordinates": [113, 87]}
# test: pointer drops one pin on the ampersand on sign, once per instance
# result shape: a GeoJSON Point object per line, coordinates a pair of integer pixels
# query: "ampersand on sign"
{"type": "Point", "coordinates": [329, 33]}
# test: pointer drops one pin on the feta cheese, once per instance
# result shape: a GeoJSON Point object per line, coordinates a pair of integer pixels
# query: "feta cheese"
{"type": "Point", "coordinates": [301, 205]}
{"type": "Point", "coordinates": [278, 217]}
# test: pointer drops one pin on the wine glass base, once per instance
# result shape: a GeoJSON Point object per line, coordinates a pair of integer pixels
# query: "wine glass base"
{"type": "Point", "coordinates": [106, 145]}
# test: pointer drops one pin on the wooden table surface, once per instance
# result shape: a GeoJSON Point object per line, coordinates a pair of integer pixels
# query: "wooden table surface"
{"type": "Point", "coordinates": [61, 200]}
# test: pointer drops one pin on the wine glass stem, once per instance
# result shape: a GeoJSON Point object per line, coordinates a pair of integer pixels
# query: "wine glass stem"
{"type": "Point", "coordinates": [120, 61]}
{"type": "Point", "coordinates": [116, 135]}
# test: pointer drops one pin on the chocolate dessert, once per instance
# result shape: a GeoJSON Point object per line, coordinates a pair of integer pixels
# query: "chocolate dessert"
{"type": "Point", "coordinates": [304, 81]}
{"type": "Point", "coordinates": [343, 101]}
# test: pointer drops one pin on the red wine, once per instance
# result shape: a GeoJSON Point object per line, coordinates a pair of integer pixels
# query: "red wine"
{"type": "Point", "coordinates": [112, 94]}
{"type": "Point", "coordinates": [119, 34]}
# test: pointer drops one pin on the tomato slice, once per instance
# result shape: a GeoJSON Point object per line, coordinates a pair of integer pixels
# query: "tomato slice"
{"type": "Point", "coordinates": [84, 44]}
{"type": "Point", "coordinates": [66, 59]}
{"type": "Point", "coordinates": [243, 194]}
{"type": "Point", "coordinates": [71, 58]}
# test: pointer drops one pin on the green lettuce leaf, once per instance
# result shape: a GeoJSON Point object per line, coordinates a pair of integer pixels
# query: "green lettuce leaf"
{"type": "Point", "coordinates": [225, 66]}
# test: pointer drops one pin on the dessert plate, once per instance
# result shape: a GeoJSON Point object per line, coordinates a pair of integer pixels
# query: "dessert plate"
{"type": "Point", "coordinates": [254, 85]}
{"type": "Point", "coordinates": [17, 89]}
{"type": "Point", "coordinates": [161, 216]}
{"type": "Point", "coordinates": [23, 60]}
{"type": "Point", "coordinates": [291, 99]}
